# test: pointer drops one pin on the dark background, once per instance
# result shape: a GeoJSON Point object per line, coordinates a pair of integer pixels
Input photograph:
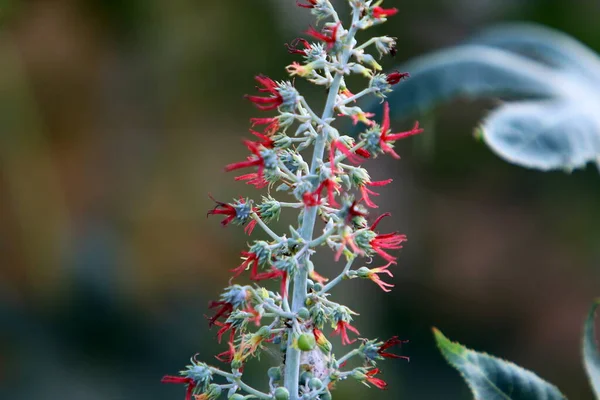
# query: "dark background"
{"type": "Point", "coordinates": [116, 118]}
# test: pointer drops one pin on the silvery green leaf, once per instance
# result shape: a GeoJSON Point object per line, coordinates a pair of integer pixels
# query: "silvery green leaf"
{"type": "Point", "coordinates": [557, 128]}
{"type": "Point", "coordinates": [555, 134]}
{"type": "Point", "coordinates": [591, 355]}
{"type": "Point", "coordinates": [544, 44]}
{"type": "Point", "coordinates": [471, 72]}
{"type": "Point", "coordinates": [491, 378]}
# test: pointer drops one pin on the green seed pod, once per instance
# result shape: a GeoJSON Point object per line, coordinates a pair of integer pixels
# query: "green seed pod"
{"type": "Point", "coordinates": [306, 342]}
{"type": "Point", "coordinates": [315, 384]}
{"type": "Point", "coordinates": [326, 395]}
{"type": "Point", "coordinates": [281, 393]}
{"type": "Point", "coordinates": [274, 373]}
{"type": "Point", "coordinates": [305, 377]}
{"type": "Point", "coordinates": [236, 396]}
{"type": "Point", "coordinates": [303, 313]}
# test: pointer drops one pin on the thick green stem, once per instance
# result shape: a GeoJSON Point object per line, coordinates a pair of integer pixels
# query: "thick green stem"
{"type": "Point", "coordinates": [292, 363]}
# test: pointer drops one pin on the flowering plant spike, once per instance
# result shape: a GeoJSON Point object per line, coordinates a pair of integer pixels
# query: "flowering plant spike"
{"type": "Point", "coordinates": [332, 194]}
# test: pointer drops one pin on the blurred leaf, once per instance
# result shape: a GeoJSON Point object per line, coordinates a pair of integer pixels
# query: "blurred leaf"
{"type": "Point", "coordinates": [491, 378]}
{"type": "Point", "coordinates": [544, 44]}
{"type": "Point", "coordinates": [471, 72]}
{"type": "Point", "coordinates": [558, 128]}
{"type": "Point", "coordinates": [544, 135]}
{"type": "Point", "coordinates": [591, 355]}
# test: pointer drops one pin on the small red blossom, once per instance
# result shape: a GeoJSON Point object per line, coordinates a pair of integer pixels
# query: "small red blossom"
{"type": "Point", "coordinates": [354, 211]}
{"type": "Point", "coordinates": [396, 77]}
{"type": "Point", "coordinates": [312, 199]}
{"type": "Point", "coordinates": [330, 39]}
{"type": "Point", "coordinates": [379, 12]}
{"type": "Point", "coordinates": [224, 311]}
{"type": "Point", "coordinates": [274, 273]}
{"type": "Point", "coordinates": [272, 124]}
{"type": "Point", "coordinates": [389, 343]}
{"type": "Point", "coordinates": [254, 179]}
{"type": "Point", "coordinates": [363, 153]}
{"type": "Point", "coordinates": [191, 385]}
{"type": "Point", "coordinates": [293, 47]}
{"type": "Point", "coordinates": [386, 136]}
{"type": "Point", "coordinates": [373, 275]}
{"type": "Point", "coordinates": [223, 209]}
{"type": "Point", "coordinates": [227, 356]}
{"type": "Point", "coordinates": [377, 382]}
{"type": "Point", "coordinates": [255, 160]}
{"type": "Point", "coordinates": [317, 277]}
{"type": "Point", "coordinates": [223, 328]}
{"type": "Point", "coordinates": [386, 241]}
{"type": "Point", "coordinates": [268, 86]}
{"type": "Point", "coordinates": [338, 145]}
{"type": "Point", "coordinates": [342, 330]}
{"type": "Point", "coordinates": [311, 4]}
{"type": "Point", "coordinates": [347, 241]}
{"type": "Point", "coordinates": [366, 192]}
{"type": "Point", "coordinates": [265, 140]}
{"type": "Point", "coordinates": [250, 261]}
{"type": "Point", "coordinates": [362, 117]}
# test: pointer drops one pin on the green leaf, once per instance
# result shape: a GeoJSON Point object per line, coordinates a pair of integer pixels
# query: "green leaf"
{"type": "Point", "coordinates": [591, 356]}
{"type": "Point", "coordinates": [491, 378]}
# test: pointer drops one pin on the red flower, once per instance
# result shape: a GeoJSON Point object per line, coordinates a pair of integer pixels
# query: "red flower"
{"type": "Point", "coordinates": [311, 4]}
{"type": "Point", "coordinates": [274, 273]}
{"type": "Point", "coordinates": [396, 77]}
{"type": "Point", "coordinates": [312, 199]}
{"type": "Point", "coordinates": [372, 274]}
{"type": "Point", "coordinates": [269, 86]}
{"type": "Point", "coordinates": [379, 383]}
{"type": "Point", "coordinates": [254, 179]}
{"type": "Point", "coordinates": [389, 343]}
{"type": "Point", "coordinates": [293, 48]}
{"type": "Point", "coordinates": [338, 145]}
{"type": "Point", "coordinates": [223, 209]}
{"type": "Point", "coordinates": [227, 356]}
{"type": "Point", "coordinates": [239, 212]}
{"type": "Point", "coordinates": [224, 310]}
{"type": "Point", "coordinates": [330, 39]}
{"type": "Point", "coordinates": [341, 329]}
{"type": "Point", "coordinates": [354, 211]}
{"type": "Point", "coordinates": [379, 12]}
{"type": "Point", "coordinates": [365, 191]}
{"type": "Point", "coordinates": [255, 160]}
{"type": "Point", "coordinates": [387, 241]}
{"type": "Point", "coordinates": [224, 327]}
{"type": "Point", "coordinates": [251, 260]}
{"type": "Point", "coordinates": [266, 141]}
{"type": "Point", "coordinates": [363, 153]}
{"type": "Point", "coordinates": [387, 137]}
{"type": "Point", "coordinates": [272, 124]}
{"type": "Point", "coordinates": [191, 384]}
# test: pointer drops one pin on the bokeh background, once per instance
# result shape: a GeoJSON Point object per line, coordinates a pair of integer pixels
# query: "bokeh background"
{"type": "Point", "coordinates": [116, 118]}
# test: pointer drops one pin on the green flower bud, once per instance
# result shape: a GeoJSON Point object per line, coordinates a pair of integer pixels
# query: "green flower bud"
{"type": "Point", "coordinates": [303, 313]}
{"type": "Point", "coordinates": [281, 393]}
{"type": "Point", "coordinates": [306, 342]}
{"type": "Point", "coordinates": [315, 384]}
{"type": "Point", "coordinates": [236, 396]}
{"type": "Point", "coordinates": [213, 392]}
{"type": "Point", "coordinates": [274, 373]}
{"type": "Point", "coordinates": [325, 395]}
{"type": "Point", "coordinates": [305, 377]}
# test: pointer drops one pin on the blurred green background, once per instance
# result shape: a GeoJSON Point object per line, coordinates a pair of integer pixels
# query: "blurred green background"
{"type": "Point", "coordinates": [116, 118]}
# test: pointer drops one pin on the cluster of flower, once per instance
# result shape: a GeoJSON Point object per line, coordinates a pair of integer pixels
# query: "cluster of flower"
{"type": "Point", "coordinates": [322, 190]}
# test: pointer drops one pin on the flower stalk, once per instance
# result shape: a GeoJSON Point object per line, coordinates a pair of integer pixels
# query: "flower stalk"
{"type": "Point", "coordinates": [333, 190]}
